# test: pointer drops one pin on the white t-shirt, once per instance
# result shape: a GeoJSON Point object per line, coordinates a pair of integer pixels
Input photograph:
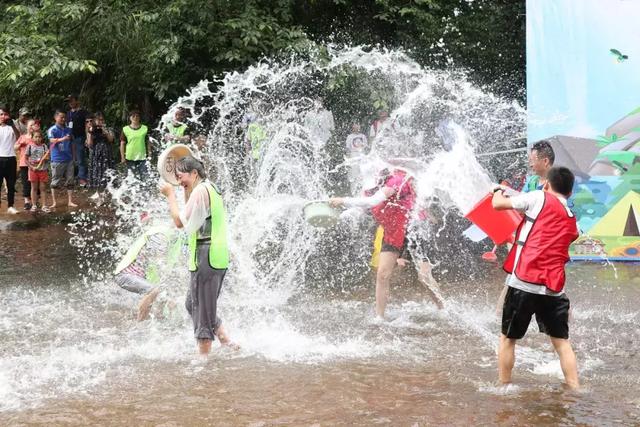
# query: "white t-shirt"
{"type": "Point", "coordinates": [7, 141]}
{"type": "Point", "coordinates": [531, 205]}
{"type": "Point", "coordinates": [196, 211]}
{"type": "Point", "coordinates": [356, 144]}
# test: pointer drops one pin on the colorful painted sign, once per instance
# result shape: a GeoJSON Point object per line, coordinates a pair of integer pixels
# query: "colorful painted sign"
{"type": "Point", "coordinates": [582, 96]}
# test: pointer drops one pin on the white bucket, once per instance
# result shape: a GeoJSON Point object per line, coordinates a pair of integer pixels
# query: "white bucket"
{"type": "Point", "coordinates": [167, 161]}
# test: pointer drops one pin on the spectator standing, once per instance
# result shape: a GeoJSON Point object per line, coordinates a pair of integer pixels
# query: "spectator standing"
{"type": "Point", "coordinates": [21, 149]}
{"type": "Point", "coordinates": [22, 121]}
{"type": "Point", "coordinates": [75, 120]}
{"type": "Point", "coordinates": [379, 124]}
{"type": "Point", "coordinates": [61, 149]}
{"type": "Point", "coordinates": [37, 155]}
{"type": "Point", "coordinates": [177, 130]}
{"type": "Point", "coordinates": [99, 140]}
{"type": "Point", "coordinates": [134, 146]}
{"type": "Point", "coordinates": [9, 134]}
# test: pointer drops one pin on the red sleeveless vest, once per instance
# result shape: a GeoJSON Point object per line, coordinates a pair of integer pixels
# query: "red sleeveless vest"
{"type": "Point", "coordinates": [393, 213]}
{"type": "Point", "coordinates": [545, 250]}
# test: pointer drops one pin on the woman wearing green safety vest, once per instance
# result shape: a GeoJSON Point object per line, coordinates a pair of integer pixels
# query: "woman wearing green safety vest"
{"type": "Point", "coordinates": [203, 219]}
{"type": "Point", "coordinates": [134, 146]}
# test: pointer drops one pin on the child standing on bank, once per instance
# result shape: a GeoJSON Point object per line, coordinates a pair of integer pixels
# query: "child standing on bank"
{"type": "Point", "coordinates": [536, 267]}
{"type": "Point", "coordinates": [37, 156]}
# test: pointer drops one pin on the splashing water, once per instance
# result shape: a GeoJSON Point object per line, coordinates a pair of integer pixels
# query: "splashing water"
{"type": "Point", "coordinates": [293, 293]}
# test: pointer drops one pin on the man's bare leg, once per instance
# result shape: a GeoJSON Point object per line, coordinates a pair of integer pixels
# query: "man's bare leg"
{"type": "Point", "coordinates": [53, 198]}
{"type": "Point", "coordinates": [500, 304]}
{"type": "Point", "coordinates": [386, 263]}
{"type": "Point", "coordinates": [425, 276]}
{"type": "Point", "coordinates": [567, 361]}
{"type": "Point", "coordinates": [506, 358]}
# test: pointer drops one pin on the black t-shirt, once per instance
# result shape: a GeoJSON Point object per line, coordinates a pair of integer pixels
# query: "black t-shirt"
{"type": "Point", "coordinates": [76, 120]}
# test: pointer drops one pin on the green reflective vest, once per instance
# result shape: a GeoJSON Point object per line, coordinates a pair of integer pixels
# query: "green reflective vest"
{"type": "Point", "coordinates": [136, 148]}
{"type": "Point", "coordinates": [174, 242]}
{"type": "Point", "coordinates": [176, 130]}
{"type": "Point", "coordinates": [256, 136]}
{"type": "Point", "coordinates": [218, 250]}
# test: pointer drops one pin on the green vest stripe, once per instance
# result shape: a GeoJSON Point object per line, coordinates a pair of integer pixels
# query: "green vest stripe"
{"type": "Point", "coordinates": [170, 259]}
{"type": "Point", "coordinates": [256, 136]}
{"type": "Point", "coordinates": [218, 251]}
{"type": "Point", "coordinates": [136, 148]}
{"type": "Point", "coordinates": [176, 130]}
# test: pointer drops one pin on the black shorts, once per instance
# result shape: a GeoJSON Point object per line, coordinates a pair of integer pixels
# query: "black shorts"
{"type": "Point", "coordinates": [552, 314]}
{"type": "Point", "coordinates": [386, 247]}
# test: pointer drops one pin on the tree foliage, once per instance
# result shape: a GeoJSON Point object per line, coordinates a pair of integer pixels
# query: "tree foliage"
{"type": "Point", "coordinates": [122, 53]}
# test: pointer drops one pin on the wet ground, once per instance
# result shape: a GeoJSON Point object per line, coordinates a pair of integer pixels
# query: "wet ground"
{"type": "Point", "coordinates": [73, 354]}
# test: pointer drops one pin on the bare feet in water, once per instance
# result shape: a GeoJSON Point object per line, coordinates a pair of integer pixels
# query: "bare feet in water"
{"type": "Point", "coordinates": [225, 340]}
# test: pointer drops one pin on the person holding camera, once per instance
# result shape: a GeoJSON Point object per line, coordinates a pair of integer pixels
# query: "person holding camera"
{"type": "Point", "coordinates": [100, 142]}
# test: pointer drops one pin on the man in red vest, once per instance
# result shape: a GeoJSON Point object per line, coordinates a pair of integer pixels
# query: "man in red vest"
{"type": "Point", "coordinates": [536, 271]}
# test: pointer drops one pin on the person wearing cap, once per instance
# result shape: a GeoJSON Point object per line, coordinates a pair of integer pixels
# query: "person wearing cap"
{"type": "Point", "coordinates": [134, 146]}
{"type": "Point", "coordinates": [177, 130]}
{"type": "Point", "coordinates": [21, 123]}
{"type": "Point", "coordinates": [76, 119]}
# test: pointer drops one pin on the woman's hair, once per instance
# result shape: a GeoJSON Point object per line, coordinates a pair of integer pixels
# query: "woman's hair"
{"type": "Point", "coordinates": [188, 163]}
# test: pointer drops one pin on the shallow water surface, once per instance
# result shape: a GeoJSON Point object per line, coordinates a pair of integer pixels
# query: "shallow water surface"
{"type": "Point", "coordinates": [73, 354]}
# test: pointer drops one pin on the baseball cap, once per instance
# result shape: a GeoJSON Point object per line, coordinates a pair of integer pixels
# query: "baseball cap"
{"type": "Point", "coordinates": [24, 111]}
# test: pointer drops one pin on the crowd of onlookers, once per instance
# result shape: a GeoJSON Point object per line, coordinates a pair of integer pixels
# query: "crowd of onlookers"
{"type": "Point", "coordinates": [78, 150]}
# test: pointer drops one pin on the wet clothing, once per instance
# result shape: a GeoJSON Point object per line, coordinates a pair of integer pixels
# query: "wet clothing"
{"type": "Point", "coordinates": [552, 314]}
{"type": "Point", "coordinates": [203, 220]}
{"type": "Point", "coordinates": [536, 262]}
{"type": "Point", "coordinates": [202, 299]}
{"type": "Point", "coordinates": [137, 271]}
{"type": "Point", "coordinates": [393, 213]}
{"type": "Point", "coordinates": [133, 283]}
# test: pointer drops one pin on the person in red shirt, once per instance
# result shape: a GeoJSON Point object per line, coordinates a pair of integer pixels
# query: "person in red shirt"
{"type": "Point", "coordinates": [536, 271]}
{"type": "Point", "coordinates": [391, 202]}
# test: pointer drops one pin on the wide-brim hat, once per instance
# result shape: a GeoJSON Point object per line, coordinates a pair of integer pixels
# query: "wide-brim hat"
{"type": "Point", "coordinates": [167, 161]}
